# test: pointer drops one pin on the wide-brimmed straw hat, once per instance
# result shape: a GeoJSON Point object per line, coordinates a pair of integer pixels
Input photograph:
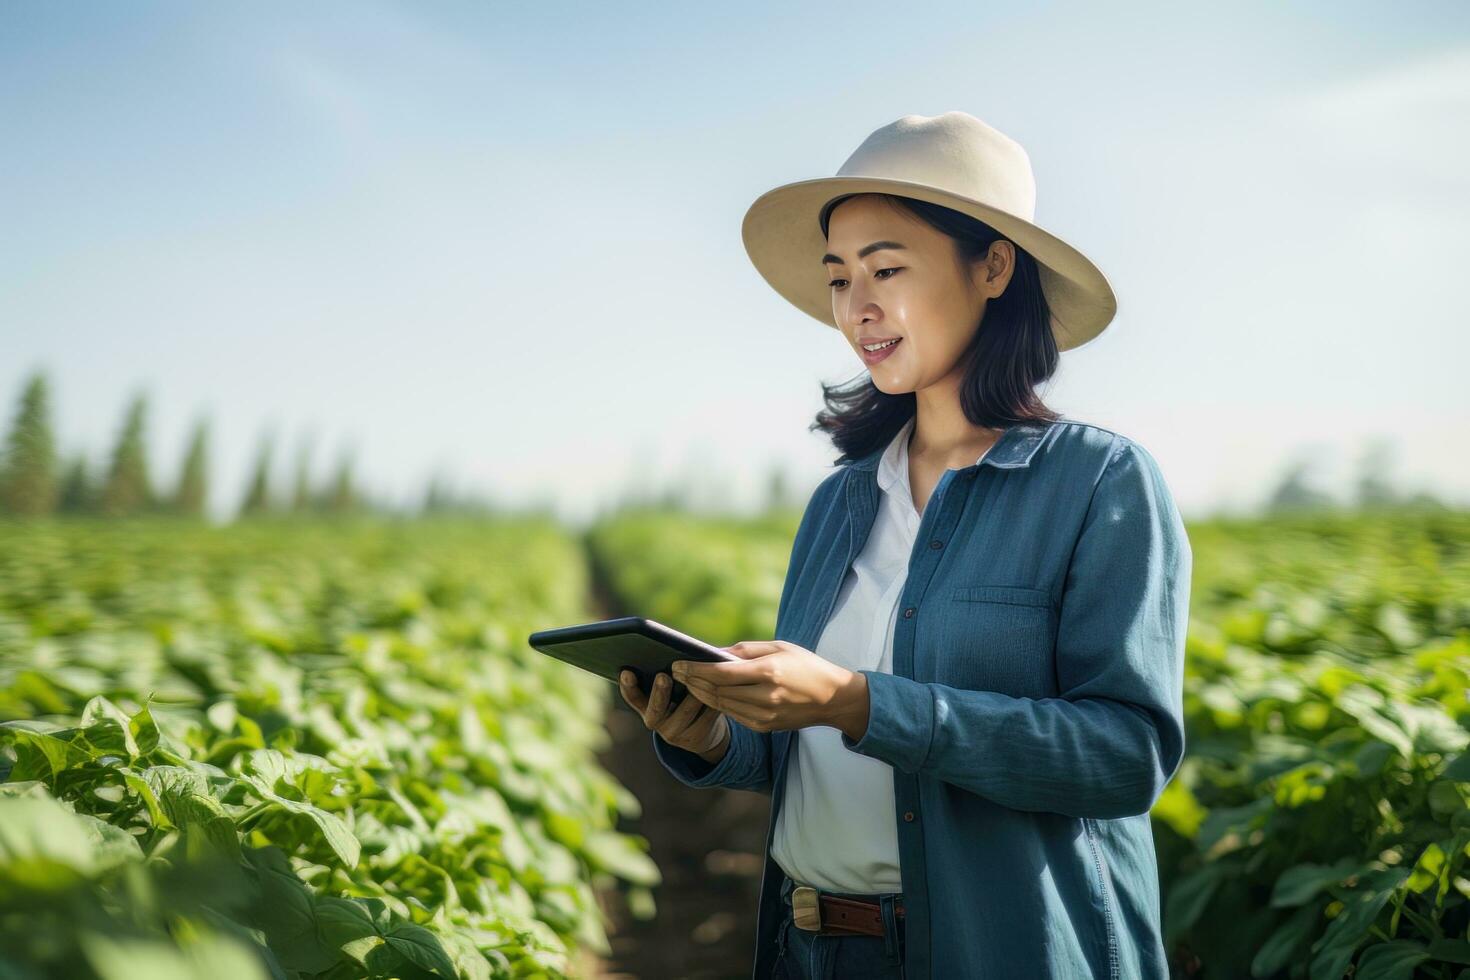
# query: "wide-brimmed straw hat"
{"type": "Point", "coordinates": [951, 159]}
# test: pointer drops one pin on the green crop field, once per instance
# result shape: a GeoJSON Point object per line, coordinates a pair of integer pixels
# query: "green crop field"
{"type": "Point", "coordinates": [1319, 817]}
{"type": "Point", "coordinates": [317, 752]}
{"type": "Point", "coordinates": [323, 749]}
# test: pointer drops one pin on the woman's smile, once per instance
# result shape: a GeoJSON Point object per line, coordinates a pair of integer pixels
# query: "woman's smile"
{"type": "Point", "coordinates": [874, 356]}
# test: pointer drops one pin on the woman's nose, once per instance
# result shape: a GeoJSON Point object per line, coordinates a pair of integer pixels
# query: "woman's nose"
{"type": "Point", "coordinates": [862, 314]}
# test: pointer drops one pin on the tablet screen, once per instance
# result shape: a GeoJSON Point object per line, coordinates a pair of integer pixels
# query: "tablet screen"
{"type": "Point", "coordinates": [642, 645]}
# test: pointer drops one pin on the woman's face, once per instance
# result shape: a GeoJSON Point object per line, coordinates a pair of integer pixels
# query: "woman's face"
{"type": "Point", "coordinates": [912, 287]}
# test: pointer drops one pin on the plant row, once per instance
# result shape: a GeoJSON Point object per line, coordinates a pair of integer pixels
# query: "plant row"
{"type": "Point", "coordinates": [1319, 818]}
{"type": "Point", "coordinates": [324, 752]}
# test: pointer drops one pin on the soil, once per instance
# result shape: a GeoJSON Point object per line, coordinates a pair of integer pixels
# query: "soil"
{"type": "Point", "coordinates": [709, 844]}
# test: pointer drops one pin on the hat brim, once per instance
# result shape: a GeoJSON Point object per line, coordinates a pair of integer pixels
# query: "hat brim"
{"type": "Point", "coordinates": [784, 240]}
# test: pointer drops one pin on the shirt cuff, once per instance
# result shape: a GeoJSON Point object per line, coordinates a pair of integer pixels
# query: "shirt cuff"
{"type": "Point", "coordinates": [690, 768]}
{"type": "Point", "coordinates": [900, 721]}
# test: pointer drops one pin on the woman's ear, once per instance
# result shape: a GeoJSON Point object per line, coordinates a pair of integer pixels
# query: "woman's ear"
{"type": "Point", "coordinates": [993, 273]}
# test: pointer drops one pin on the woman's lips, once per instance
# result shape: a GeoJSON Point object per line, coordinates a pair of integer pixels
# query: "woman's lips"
{"type": "Point", "coordinates": [874, 356]}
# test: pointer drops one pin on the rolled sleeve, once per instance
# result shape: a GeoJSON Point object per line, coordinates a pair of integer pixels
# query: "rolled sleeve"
{"type": "Point", "coordinates": [1108, 745]}
{"type": "Point", "coordinates": [900, 721]}
{"type": "Point", "coordinates": [746, 764]}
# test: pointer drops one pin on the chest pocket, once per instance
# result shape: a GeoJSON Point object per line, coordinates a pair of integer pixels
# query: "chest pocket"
{"type": "Point", "coordinates": [996, 638]}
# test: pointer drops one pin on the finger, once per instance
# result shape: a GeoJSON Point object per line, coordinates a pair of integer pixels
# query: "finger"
{"type": "Point", "coordinates": [750, 649]}
{"type": "Point", "coordinates": [703, 724]}
{"type": "Point", "coordinates": [658, 701]}
{"type": "Point", "coordinates": [706, 694]}
{"type": "Point", "coordinates": [732, 694]}
{"type": "Point", "coordinates": [728, 672]}
{"type": "Point", "coordinates": [719, 691]}
{"type": "Point", "coordinates": [748, 715]}
{"type": "Point", "coordinates": [746, 703]}
{"type": "Point", "coordinates": [632, 693]}
{"type": "Point", "coordinates": [753, 678]}
{"type": "Point", "coordinates": [680, 718]}
{"type": "Point", "coordinates": [719, 697]}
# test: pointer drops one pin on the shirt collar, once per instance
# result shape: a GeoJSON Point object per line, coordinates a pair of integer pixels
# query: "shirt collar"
{"type": "Point", "coordinates": [1013, 450]}
{"type": "Point", "coordinates": [893, 464]}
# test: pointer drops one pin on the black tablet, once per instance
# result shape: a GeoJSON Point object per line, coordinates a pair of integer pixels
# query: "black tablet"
{"type": "Point", "coordinates": [644, 646]}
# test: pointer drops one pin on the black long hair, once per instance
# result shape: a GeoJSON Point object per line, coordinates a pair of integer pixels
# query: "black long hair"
{"type": "Point", "coordinates": [1005, 361]}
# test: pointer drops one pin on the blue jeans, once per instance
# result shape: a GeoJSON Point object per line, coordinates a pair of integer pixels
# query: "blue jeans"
{"type": "Point", "coordinates": [806, 955]}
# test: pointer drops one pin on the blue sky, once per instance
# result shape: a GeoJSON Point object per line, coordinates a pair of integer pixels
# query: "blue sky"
{"type": "Point", "coordinates": [502, 242]}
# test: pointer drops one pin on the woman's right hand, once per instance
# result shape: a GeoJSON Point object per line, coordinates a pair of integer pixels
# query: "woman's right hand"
{"type": "Point", "coordinates": [693, 725]}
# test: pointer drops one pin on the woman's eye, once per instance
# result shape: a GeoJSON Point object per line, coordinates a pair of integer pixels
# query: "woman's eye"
{"type": "Point", "coordinates": [879, 274]}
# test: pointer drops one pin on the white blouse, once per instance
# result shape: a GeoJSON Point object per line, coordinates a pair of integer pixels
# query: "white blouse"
{"type": "Point", "coordinates": [836, 829]}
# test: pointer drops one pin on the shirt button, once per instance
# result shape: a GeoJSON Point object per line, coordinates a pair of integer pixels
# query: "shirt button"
{"type": "Point", "coordinates": [909, 816]}
{"type": "Point", "coordinates": [936, 544]}
{"type": "Point", "coordinates": [908, 613]}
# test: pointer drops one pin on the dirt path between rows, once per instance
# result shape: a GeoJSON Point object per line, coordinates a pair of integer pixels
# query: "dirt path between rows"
{"type": "Point", "coordinates": [709, 844]}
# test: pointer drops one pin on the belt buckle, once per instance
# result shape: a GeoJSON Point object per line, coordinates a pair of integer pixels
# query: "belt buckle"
{"type": "Point", "coordinates": [806, 911]}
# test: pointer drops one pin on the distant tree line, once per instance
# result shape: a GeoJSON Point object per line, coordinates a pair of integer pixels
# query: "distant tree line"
{"type": "Point", "coordinates": [36, 482]}
{"type": "Point", "coordinates": [1372, 489]}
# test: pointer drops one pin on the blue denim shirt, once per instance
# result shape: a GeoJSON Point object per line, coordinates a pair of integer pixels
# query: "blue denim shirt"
{"type": "Point", "coordinates": [1035, 709]}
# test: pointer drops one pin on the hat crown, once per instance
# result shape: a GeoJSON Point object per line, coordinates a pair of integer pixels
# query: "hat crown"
{"type": "Point", "coordinates": [955, 152]}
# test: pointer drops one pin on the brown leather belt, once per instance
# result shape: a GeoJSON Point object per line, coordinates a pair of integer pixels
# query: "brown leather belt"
{"type": "Point", "coordinates": [831, 915]}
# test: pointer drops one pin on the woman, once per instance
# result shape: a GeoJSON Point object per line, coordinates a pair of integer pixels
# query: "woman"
{"type": "Point", "coordinates": [980, 638]}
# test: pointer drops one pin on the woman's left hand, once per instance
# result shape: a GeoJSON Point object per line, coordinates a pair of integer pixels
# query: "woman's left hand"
{"type": "Point", "coordinates": [777, 686]}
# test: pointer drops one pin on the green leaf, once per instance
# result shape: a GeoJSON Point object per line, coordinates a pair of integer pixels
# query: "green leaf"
{"type": "Point", "coordinates": [145, 730]}
{"type": "Point", "coordinates": [270, 767]}
{"type": "Point", "coordinates": [1281, 947]}
{"type": "Point", "coordinates": [383, 960]}
{"type": "Point", "coordinates": [1371, 757]}
{"type": "Point", "coordinates": [1445, 799]}
{"type": "Point", "coordinates": [1458, 770]}
{"type": "Point", "coordinates": [622, 855]}
{"type": "Point", "coordinates": [1300, 883]}
{"type": "Point", "coordinates": [111, 845]}
{"type": "Point", "coordinates": [1390, 961]}
{"type": "Point", "coordinates": [1428, 869]}
{"type": "Point", "coordinates": [266, 769]}
{"type": "Point", "coordinates": [108, 728]}
{"type": "Point", "coordinates": [1450, 951]}
{"type": "Point", "coordinates": [140, 785]}
{"type": "Point", "coordinates": [1223, 820]}
{"type": "Point", "coordinates": [284, 909]}
{"type": "Point", "coordinates": [184, 797]}
{"type": "Point", "coordinates": [1362, 703]}
{"type": "Point", "coordinates": [342, 841]}
{"type": "Point", "coordinates": [41, 755]}
{"type": "Point", "coordinates": [1334, 949]}
{"type": "Point", "coordinates": [174, 783]}
{"type": "Point", "coordinates": [342, 922]}
{"type": "Point", "coordinates": [43, 846]}
{"type": "Point", "coordinates": [469, 962]}
{"type": "Point", "coordinates": [1189, 896]}
{"type": "Point", "coordinates": [214, 956]}
{"type": "Point", "coordinates": [1331, 961]}
{"type": "Point", "coordinates": [32, 788]}
{"type": "Point", "coordinates": [422, 948]}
